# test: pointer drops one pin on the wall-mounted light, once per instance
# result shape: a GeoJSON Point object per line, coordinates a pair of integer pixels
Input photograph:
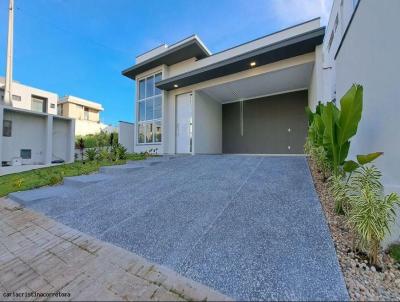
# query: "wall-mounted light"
{"type": "Point", "coordinates": [252, 64]}
{"type": "Point", "coordinates": [175, 85]}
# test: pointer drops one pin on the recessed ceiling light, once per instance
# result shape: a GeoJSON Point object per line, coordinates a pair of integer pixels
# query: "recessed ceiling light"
{"type": "Point", "coordinates": [252, 64]}
{"type": "Point", "coordinates": [176, 85]}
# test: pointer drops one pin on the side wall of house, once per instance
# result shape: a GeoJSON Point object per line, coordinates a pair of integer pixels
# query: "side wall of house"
{"type": "Point", "coordinates": [28, 132]}
{"type": "Point", "coordinates": [370, 56]}
{"type": "Point", "coordinates": [207, 124]}
{"type": "Point", "coordinates": [60, 139]}
{"type": "Point", "coordinates": [126, 135]}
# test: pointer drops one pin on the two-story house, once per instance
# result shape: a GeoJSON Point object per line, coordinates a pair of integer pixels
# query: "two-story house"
{"type": "Point", "coordinates": [32, 132]}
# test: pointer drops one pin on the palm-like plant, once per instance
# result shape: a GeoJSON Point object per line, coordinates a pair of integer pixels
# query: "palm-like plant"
{"type": "Point", "coordinates": [339, 189]}
{"type": "Point", "coordinates": [370, 213]}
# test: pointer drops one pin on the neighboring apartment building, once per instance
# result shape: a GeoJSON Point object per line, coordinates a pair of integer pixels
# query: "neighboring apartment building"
{"type": "Point", "coordinates": [32, 133]}
{"type": "Point", "coordinates": [85, 113]}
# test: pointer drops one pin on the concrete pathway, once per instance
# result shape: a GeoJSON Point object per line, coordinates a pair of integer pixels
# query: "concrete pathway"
{"type": "Point", "coordinates": [250, 227]}
{"type": "Point", "coordinates": [41, 259]}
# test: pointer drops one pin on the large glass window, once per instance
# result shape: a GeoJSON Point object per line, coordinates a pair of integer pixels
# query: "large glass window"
{"type": "Point", "coordinates": [38, 104]}
{"type": "Point", "coordinates": [149, 110]}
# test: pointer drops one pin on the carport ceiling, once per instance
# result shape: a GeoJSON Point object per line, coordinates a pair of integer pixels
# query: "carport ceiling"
{"type": "Point", "coordinates": [293, 78]}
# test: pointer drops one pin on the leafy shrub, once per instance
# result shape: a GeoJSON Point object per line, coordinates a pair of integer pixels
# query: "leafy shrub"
{"type": "Point", "coordinates": [56, 179]}
{"type": "Point", "coordinates": [18, 183]}
{"type": "Point", "coordinates": [371, 213]}
{"type": "Point", "coordinates": [332, 128]}
{"type": "Point", "coordinates": [103, 154]}
{"type": "Point", "coordinates": [319, 155]}
{"type": "Point", "coordinates": [118, 152]}
{"type": "Point", "coordinates": [339, 190]}
{"type": "Point", "coordinates": [91, 154]}
{"type": "Point", "coordinates": [101, 139]}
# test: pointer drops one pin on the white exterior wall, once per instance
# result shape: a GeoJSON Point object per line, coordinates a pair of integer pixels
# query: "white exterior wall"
{"type": "Point", "coordinates": [370, 56]}
{"type": "Point", "coordinates": [343, 9]}
{"type": "Point", "coordinates": [207, 125]}
{"type": "Point", "coordinates": [60, 134]}
{"type": "Point", "coordinates": [126, 135]}
{"type": "Point", "coordinates": [315, 90]}
{"type": "Point", "coordinates": [83, 127]}
{"type": "Point", "coordinates": [26, 92]}
{"type": "Point", "coordinates": [28, 132]}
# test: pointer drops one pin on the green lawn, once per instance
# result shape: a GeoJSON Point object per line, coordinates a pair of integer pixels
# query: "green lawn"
{"type": "Point", "coordinates": [53, 175]}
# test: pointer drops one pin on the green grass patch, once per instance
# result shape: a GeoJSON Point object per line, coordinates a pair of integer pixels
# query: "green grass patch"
{"type": "Point", "coordinates": [54, 175]}
{"type": "Point", "coordinates": [394, 252]}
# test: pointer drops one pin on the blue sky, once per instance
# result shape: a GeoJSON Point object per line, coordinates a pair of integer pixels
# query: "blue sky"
{"type": "Point", "coordinates": [79, 47]}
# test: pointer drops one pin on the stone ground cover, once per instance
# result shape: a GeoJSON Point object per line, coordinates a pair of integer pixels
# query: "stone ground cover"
{"type": "Point", "coordinates": [251, 227]}
{"type": "Point", "coordinates": [364, 282]}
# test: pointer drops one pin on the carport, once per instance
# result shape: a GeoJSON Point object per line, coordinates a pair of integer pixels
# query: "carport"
{"type": "Point", "coordinates": [260, 114]}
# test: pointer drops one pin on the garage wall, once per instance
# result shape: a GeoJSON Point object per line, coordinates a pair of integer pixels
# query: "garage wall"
{"type": "Point", "coordinates": [207, 125]}
{"type": "Point", "coordinates": [370, 56]}
{"type": "Point", "coordinates": [28, 132]}
{"type": "Point", "coordinates": [265, 125]}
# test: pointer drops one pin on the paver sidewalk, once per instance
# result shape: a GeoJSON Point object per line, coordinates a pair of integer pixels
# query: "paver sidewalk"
{"type": "Point", "coordinates": [39, 255]}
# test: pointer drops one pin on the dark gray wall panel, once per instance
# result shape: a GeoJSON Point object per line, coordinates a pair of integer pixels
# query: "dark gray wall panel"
{"type": "Point", "coordinates": [265, 125]}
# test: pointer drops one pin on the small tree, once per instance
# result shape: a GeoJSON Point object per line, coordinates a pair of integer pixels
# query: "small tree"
{"type": "Point", "coordinates": [81, 145]}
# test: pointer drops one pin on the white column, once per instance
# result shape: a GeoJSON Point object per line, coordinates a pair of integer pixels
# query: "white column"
{"type": "Point", "coordinates": [71, 142]}
{"type": "Point", "coordinates": [9, 63]}
{"type": "Point", "coordinates": [49, 139]}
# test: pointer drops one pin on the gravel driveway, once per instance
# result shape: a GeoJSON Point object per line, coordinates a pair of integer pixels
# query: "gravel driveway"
{"type": "Point", "coordinates": [249, 226]}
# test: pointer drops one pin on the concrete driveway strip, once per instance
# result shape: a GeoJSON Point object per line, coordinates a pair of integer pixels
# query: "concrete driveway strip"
{"type": "Point", "coordinates": [249, 226]}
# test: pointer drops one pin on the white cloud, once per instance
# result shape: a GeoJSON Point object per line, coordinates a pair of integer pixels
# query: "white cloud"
{"type": "Point", "coordinates": [294, 11]}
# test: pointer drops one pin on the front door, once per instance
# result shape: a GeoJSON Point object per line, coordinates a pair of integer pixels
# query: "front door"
{"type": "Point", "coordinates": [184, 123]}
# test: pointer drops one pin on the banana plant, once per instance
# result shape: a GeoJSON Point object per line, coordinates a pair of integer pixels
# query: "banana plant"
{"type": "Point", "coordinates": [350, 165]}
{"type": "Point", "coordinates": [341, 125]}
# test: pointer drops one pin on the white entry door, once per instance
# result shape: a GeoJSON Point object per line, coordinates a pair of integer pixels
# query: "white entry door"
{"type": "Point", "coordinates": [184, 123]}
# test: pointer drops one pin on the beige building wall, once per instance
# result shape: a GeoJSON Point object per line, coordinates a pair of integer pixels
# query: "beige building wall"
{"type": "Point", "coordinates": [73, 107]}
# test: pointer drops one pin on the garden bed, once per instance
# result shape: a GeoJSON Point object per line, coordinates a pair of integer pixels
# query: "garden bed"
{"type": "Point", "coordinates": [53, 175]}
{"type": "Point", "coordinates": [364, 282]}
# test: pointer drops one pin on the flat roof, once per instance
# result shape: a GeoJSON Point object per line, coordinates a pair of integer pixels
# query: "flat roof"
{"type": "Point", "coordinates": [294, 46]}
{"type": "Point", "coordinates": [80, 101]}
{"type": "Point", "coordinates": [191, 47]}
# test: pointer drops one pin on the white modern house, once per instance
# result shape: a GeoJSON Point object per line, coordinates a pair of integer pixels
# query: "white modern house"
{"type": "Point", "coordinates": [247, 99]}
{"type": "Point", "coordinates": [251, 98]}
{"type": "Point", "coordinates": [32, 132]}
{"type": "Point", "coordinates": [86, 114]}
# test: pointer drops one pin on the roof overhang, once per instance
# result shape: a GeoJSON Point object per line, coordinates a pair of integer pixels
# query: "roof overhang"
{"type": "Point", "coordinates": [192, 48]}
{"type": "Point", "coordinates": [291, 47]}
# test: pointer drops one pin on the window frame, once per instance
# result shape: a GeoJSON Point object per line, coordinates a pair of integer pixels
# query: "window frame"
{"type": "Point", "coordinates": [4, 133]}
{"type": "Point", "coordinates": [16, 98]}
{"type": "Point", "coordinates": [141, 101]}
{"type": "Point", "coordinates": [86, 113]}
{"type": "Point", "coordinates": [36, 98]}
